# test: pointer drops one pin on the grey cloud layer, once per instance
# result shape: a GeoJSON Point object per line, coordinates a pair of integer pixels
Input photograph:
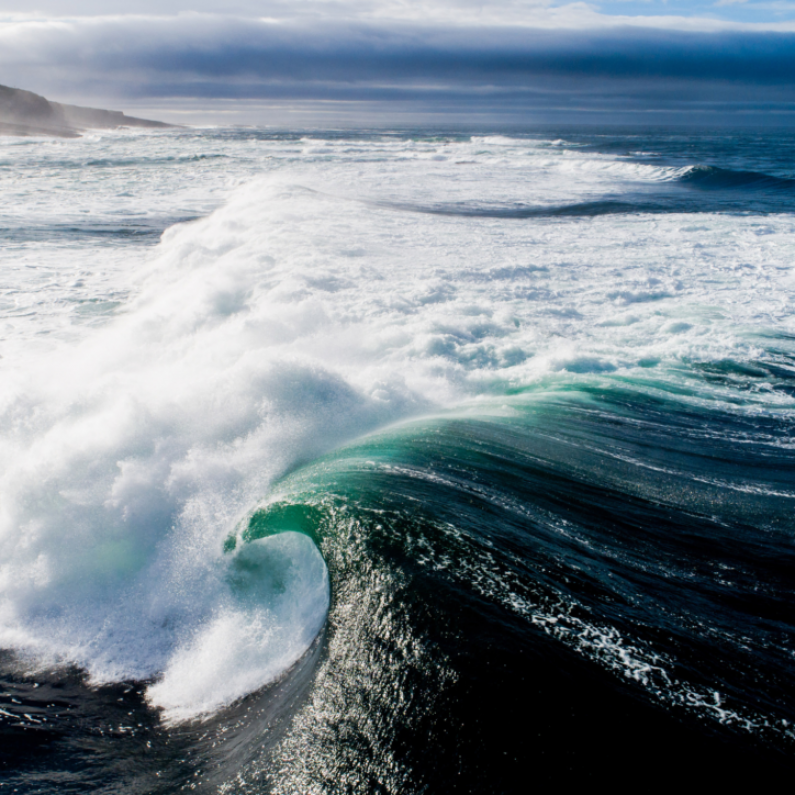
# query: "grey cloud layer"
{"type": "Point", "coordinates": [199, 56]}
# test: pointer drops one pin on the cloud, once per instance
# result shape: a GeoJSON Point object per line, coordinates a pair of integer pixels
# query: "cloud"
{"type": "Point", "coordinates": [215, 57]}
{"type": "Point", "coordinates": [446, 11]}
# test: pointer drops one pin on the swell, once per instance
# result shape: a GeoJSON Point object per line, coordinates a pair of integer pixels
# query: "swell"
{"type": "Point", "coordinates": [609, 564]}
{"type": "Point", "coordinates": [589, 209]}
{"type": "Point", "coordinates": [604, 555]}
{"type": "Point", "coordinates": [668, 190]}
{"type": "Point", "coordinates": [715, 178]}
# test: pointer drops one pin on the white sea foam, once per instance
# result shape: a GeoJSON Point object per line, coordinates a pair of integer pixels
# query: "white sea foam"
{"type": "Point", "coordinates": [280, 597]}
{"type": "Point", "coordinates": [298, 316]}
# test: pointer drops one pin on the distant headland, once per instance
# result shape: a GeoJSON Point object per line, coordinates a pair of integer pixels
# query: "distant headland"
{"type": "Point", "coordinates": [26, 113]}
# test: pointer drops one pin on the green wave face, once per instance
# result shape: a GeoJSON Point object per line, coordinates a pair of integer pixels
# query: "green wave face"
{"type": "Point", "coordinates": [565, 517]}
{"type": "Point", "coordinates": [277, 518]}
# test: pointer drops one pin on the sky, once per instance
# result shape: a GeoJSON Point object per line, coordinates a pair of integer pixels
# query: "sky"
{"type": "Point", "coordinates": [255, 61]}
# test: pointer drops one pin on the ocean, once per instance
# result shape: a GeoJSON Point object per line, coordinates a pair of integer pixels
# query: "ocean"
{"type": "Point", "coordinates": [396, 461]}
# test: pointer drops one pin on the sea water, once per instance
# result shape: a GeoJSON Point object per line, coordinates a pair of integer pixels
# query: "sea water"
{"type": "Point", "coordinates": [394, 461]}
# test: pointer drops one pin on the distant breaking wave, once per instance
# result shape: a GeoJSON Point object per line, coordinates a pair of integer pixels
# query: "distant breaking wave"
{"type": "Point", "coordinates": [714, 178]}
{"type": "Point", "coordinates": [659, 195]}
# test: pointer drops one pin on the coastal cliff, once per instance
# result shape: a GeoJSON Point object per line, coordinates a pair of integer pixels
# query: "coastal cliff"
{"type": "Point", "coordinates": [25, 113]}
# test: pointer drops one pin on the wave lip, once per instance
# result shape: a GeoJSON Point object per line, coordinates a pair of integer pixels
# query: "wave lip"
{"type": "Point", "coordinates": [519, 211]}
{"type": "Point", "coordinates": [715, 178]}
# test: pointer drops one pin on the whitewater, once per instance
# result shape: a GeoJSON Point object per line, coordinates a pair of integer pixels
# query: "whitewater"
{"type": "Point", "coordinates": [252, 382]}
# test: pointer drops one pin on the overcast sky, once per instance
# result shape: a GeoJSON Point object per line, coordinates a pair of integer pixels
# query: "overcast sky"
{"type": "Point", "coordinates": [730, 60]}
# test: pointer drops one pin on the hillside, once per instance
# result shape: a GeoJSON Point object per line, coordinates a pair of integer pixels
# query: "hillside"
{"type": "Point", "coordinates": [26, 113]}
